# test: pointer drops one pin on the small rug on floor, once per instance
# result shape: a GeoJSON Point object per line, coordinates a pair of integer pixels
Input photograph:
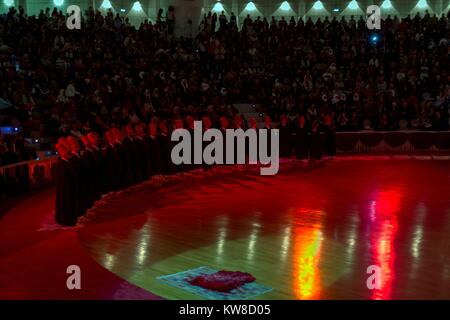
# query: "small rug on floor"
{"type": "Point", "coordinates": [181, 280]}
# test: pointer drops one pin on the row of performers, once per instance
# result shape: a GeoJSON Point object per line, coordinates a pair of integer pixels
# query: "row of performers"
{"type": "Point", "coordinates": [133, 156]}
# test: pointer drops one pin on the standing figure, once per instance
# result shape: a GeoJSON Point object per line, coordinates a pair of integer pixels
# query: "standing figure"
{"type": "Point", "coordinates": [166, 149]}
{"type": "Point", "coordinates": [81, 170]}
{"type": "Point", "coordinates": [66, 210]}
{"type": "Point", "coordinates": [285, 137]}
{"type": "Point", "coordinates": [316, 142]}
{"type": "Point", "coordinates": [113, 163]}
{"type": "Point", "coordinates": [302, 139]}
{"type": "Point", "coordinates": [155, 149]}
{"type": "Point", "coordinates": [329, 137]}
{"type": "Point", "coordinates": [135, 161]}
{"type": "Point", "coordinates": [125, 168]}
{"type": "Point", "coordinates": [144, 152]}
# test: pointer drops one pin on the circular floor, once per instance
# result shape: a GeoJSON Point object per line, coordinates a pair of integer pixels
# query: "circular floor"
{"type": "Point", "coordinates": [309, 232]}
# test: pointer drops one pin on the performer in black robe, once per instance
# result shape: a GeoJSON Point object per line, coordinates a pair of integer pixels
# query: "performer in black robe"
{"type": "Point", "coordinates": [155, 150]}
{"type": "Point", "coordinates": [316, 142]}
{"type": "Point", "coordinates": [135, 160]}
{"type": "Point", "coordinates": [329, 137]}
{"type": "Point", "coordinates": [88, 168]}
{"type": "Point", "coordinates": [100, 161]}
{"type": "Point", "coordinates": [144, 153]}
{"type": "Point", "coordinates": [113, 164]}
{"type": "Point", "coordinates": [302, 139]}
{"type": "Point", "coordinates": [125, 168]}
{"type": "Point", "coordinates": [206, 126]}
{"type": "Point", "coordinates": [192, 165]}
{"type": "Point", "coordinates": [268, 128]}
{"type": "Point", "coordinates": [166, 149]}
{"type": "Point", "coordinates": [92, 161]}
{"type": "Point", "coordinates": [82, 192]}
{"type": "Point", "coordinates": [285, 138]}
{"type": "Point", "coordinates": [223, 129]}
{"type": "Point", "coordinates": [253, 126]}
{"type": "Point", "coordinates": [66, 188]}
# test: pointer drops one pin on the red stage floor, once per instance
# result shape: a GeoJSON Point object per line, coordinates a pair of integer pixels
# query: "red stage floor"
{"type": "Point", "coordinates": [309, 232]}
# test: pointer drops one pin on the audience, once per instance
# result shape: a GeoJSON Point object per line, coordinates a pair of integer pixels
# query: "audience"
{"type": "Point", "coordinates": [61, 82]}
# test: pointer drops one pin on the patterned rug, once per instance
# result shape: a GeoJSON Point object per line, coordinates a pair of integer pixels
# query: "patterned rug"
{"type": "Point", "coordinates": [179, 280]}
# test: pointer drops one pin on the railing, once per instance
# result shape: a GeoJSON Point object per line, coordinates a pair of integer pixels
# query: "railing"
{"type": "Point", "coordinates": [404, 142]}
{"type": "Point", "coordinates": [25, 176]}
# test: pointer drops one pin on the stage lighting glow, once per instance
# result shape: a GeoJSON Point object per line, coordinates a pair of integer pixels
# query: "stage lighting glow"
{"type": "Point", "coordinates": [285, 6]}
{"type": "Point", "coordinates": [387, 4]}
{"type": "Point", "coordinates": [250, 6]}
{"type": "Point", "coordinates": [353, 5]}
{"type": "Point", "coordinates": [137, 6]}
{"type": "Point", "coordinates": [318, 5]}
{"type": "Point", "coordinates": [123, 10]}
{"type": "Point", "coordinates": [336, 10]}
{"type": "Point", "coordinates": [374, 39]}
{"type": "Point", "coordinates": [218, 7]}
{"type": "Point", "coordinates": [422, 4]}
{"type": "Point", "coordinates": [58, 3]}
{"type": "Point", "coordinates": [8, 3]}
{"type": "Point", "coordinates": [106, 4]}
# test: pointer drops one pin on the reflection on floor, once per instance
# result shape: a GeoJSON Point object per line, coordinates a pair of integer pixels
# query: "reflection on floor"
{"type": "Point", "coordinates": [309, 232]}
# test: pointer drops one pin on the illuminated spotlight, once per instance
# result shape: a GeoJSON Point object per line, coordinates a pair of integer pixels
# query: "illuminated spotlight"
{"type": "Point", "coordinates": [8, 3]}
{"type": "Point", "coordinates": [318, 5]}
{"type": "Point", "coordinates": [353, 5]}
{"type": "Point", "coordinates": [123, 10]}
{"type": "Point", "coordinates": [285, 6]}
{"type": "Point", "coordinates": [58, 3]}
{"type": "Point", "coordinates": [106, 4]}
{"type": "Point", "coordinates": [336, 10]}
{"type": "Point", "coordinates": [387, 4]}
{"type": "Point", "coordinates": [250, 6]}
{"type": "Point", "coordinates": [422, 4]}
{"type": "Point", "coordinates": [218, 7]}
{"type": "Point", "coordinates": [137, 6]}
{"type": "Point", "coordinates": [374, 39]}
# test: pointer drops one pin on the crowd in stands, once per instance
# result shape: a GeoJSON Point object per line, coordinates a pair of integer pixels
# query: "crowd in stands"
{"type": "Point", "coordinates": [61, 82]}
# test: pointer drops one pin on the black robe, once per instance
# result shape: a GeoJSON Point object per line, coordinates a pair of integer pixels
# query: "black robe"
{"type": "Point", "coordinates": [316, 145]}
{"type": "Point", "coordinates": [126, 177]}
{"type": "Point", "coordinates": [89, 179]}
{"type": "Point", "coordinates": [144, 157]}
{"type": "Point", "coordinates": [82, 181]}
{"type": "Point", "coordinates": [113, 168]}
{"type": "Point", "coordinates": [302, 142]}
{"type": "Point", "coordinates": [285, 141]}
{"type": "Point", "coordinates": [166, 149]}
{"type": "Point", "coordinates": [155, 156]}
{"type": "Point", "coordinates": [135, 160]}
{"type": "Point", "coordinates": [67, 184]}
{"type": "Point", "coordinates": [101, 173]}
{"type": "Point", "coordinates": [329, 141]}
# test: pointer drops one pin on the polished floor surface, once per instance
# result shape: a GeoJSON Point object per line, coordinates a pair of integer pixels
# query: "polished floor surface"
{"type": "Point", "coordinates": [310, 232]}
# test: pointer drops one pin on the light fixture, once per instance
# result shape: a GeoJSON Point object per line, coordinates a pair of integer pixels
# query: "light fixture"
{"type": "Point", "coordinates": [353, 5]}
{"type": "Point", "coordinates": [123, 10]}
{"type": "Point", "coordinates": [285, 6]}
{"type": "Point", "coordinates": [58, 3]}
{"type": "Point", "coordinates": [422, 4]}
{"type": "Point", "coordinates": [336, 10]}
{"type": "Point", "coordinates": [106, 4]}
{"type": "Point", "coordinates": [387, 4]}
{"type": "Point", "coordinates": [318, 5]}
{"type": "Point", "coordinates": [137, 6]}
{"type": "Point", "coordinates": [218, 7]}
{"type": "Point", "coordinates": [250, 6]}
{"type": "Point", "coordinates": [8, 3]}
